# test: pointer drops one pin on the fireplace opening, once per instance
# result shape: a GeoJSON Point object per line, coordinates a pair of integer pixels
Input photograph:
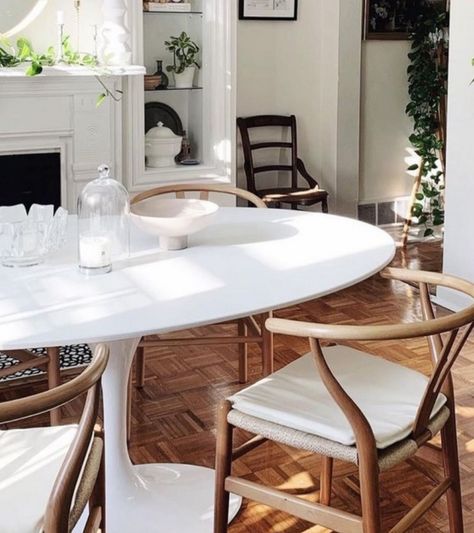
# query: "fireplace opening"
{"type": "Point", "coordinates": [30, 179]}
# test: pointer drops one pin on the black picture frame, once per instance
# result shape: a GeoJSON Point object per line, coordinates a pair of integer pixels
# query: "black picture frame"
{"type": "Point", "coordinates": [243, 16]}
{"type": "Point", "coordinates": [395, 21]}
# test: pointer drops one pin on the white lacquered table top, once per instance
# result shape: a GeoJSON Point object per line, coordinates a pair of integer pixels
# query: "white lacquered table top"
{"type": "Point", "coordinates": [247, 261]}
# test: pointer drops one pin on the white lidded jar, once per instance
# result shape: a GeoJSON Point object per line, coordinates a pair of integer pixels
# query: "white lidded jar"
{"type": "Point", "coordinates": [162, 146]}
{"type": "Point", "coordinates": [103, 211]}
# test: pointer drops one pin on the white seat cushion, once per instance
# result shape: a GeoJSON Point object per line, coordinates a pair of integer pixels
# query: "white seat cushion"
{"type": "Point", "coordinates": [388, 394]}
{"type": "Point", "coordinates": [30, 460]}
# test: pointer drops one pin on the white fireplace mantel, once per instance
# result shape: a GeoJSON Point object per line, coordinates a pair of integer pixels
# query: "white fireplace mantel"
{"type": "Point", "coordinates": [73, 70]}
{"type": "Point", "coordinates": [57, 112]}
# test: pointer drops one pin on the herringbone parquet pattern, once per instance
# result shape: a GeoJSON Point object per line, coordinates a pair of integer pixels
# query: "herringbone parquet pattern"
{"type": "Point", "coordinates": [173, 416]}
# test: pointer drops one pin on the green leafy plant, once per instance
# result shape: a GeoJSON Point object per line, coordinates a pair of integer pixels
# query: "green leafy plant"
{"type": "Point", "coordinates": [24, 53]}
{"type": "Point", "coordinates": [427, 77]}
{"type": "Point", "coordinates": [184, 52]}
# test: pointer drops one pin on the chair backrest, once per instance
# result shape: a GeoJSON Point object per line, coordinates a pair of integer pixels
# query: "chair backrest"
{"type": "Point", "coordinates": [61, 499]}
{"type": "Point", "coordinates": [204, 189]}
{"type": "Point", "coordinates": [265, 121]}
{"type": "Point", "coordinates": [444, 351]}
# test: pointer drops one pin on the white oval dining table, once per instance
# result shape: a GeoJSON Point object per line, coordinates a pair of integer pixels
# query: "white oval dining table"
{"type": "Point", "coordinates": [248, 261]}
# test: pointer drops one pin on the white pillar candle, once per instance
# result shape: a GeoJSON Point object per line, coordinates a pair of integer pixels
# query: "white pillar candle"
{"type": "Point", "coordinates": [60, 17]}
{"type": "Point", "coordinates": [95, 252]}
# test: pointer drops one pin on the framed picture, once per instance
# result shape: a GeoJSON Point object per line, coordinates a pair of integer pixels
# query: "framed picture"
{"type": "Point", "coordinates": [268, 9]}
{"type": "Point", "coordinates": [392, 19]}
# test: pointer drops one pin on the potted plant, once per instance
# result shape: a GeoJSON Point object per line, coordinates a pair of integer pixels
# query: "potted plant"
{"type": "Point", "coordinates": [184, 60]}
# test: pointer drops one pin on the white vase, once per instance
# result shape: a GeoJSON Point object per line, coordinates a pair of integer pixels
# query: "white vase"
{"type": "Point", "coordinates": [185, 79]}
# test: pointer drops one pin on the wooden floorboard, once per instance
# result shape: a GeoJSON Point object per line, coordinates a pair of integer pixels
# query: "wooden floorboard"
{"type": "Point", "coordinates": [174, 415]}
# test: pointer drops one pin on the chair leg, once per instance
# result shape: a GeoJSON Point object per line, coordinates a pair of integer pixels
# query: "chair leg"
{"type": "Point", "coordinates": [451, 469]}
{"type": "Point", "coordinates": [326, 480]}
{"type": "Point", "coordinates": [267, 346]}
{"type": "Point", "coordinates": [54, 380]}
{"type": "Point", "coordinates": [324, 206]}
{"type": "Point", "coordinates": [97, 499]}
{"type": "Point", "coordinates": [243, 352]}
{"type": "Point", "coordinates": [223, 468]}
{"type": "Point", "coordinates": [370, 493]}
{"type": "Point", "coordinates": [140, 367]}
{"type": "Point", "coordinates": [129, 409]}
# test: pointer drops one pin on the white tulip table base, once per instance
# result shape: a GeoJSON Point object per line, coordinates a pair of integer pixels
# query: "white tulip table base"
{"type": "Point", "coordinates": [161, 498]}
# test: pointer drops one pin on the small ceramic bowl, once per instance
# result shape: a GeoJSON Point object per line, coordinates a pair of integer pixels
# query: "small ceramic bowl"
{"type": "Point", "coordinates": [152, 82]}
{"type": "Point", "coordinates": [173, 220]}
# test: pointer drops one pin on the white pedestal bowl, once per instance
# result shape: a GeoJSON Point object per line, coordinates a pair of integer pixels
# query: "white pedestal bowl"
{"type": "Point", "coordinates": [173, 220]}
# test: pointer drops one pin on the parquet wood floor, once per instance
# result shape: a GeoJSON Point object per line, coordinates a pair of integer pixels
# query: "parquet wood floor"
{"type": "Point", "coordinates": [174, 415]}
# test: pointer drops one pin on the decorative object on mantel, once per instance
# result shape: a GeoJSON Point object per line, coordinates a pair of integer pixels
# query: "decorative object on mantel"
{"type": "Point", "coordinates": [115, 46]}
{"type": "Point", "coordinates": [162, 146]}
{"type": "Point", "coordinates": [27, 238]}
{"type": "Point", "coordinates": [268, 9]}
{"type": "Point", "coordinates": [103, 210]}
{"type": "Point", "coordinates": [184, 65]}
{"type": "Point", "coordinates": [173, 219]}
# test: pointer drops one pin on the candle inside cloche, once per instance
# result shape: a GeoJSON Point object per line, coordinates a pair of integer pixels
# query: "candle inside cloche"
{"type": "Point", "coordinates": [103, 210]}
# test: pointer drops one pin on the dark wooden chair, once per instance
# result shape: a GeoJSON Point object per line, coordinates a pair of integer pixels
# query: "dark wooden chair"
{"type": "Point", "coordinates": [294, 195]}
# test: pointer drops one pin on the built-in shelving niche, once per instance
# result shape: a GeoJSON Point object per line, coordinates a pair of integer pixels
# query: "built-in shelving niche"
{"type": "Point", "coordinates": [157, 28]}
{"type": "Point", "coordinates": [207, 111]}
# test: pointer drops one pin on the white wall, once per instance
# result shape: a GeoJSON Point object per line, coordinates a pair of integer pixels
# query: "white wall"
{"type": "Point", "coordinates": [309, 68]}
{"type": "Point", "coordinates": [385, 128]}
{"type": "Point", "coordinates": [459, 243]}
{"type": "Point", "coordinates": [279, 72]}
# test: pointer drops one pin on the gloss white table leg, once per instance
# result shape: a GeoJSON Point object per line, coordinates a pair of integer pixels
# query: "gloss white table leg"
{"type": "Point", "coordinates": [162, 498]}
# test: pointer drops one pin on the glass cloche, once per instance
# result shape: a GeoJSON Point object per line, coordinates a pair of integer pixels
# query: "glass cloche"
{"type": "Point", "coordinates": [103, 211]}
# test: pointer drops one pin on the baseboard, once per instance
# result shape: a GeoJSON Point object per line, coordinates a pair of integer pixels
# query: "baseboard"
{"type": "Point", "coordinates": [384, 212]}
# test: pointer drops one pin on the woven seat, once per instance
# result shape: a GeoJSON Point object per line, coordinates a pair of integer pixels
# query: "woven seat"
{"type": "Point", "coordinates": [388, 458]}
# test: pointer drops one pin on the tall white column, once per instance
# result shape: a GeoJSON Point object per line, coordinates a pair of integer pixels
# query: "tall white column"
{"type": "Point", "coordinates": [115, 46]}
{"type": "Point", "coordinates": [459, 241]}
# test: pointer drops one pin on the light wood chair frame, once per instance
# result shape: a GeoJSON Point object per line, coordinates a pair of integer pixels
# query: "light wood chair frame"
{"type": "Point", "coordinates": [63, 502]}
{"type": "Point", "coordinates": [444, 352]}
{"type": "Point", "coordinates": [49, 362]}
{"type": "Point", "coordinates": [249, 329]}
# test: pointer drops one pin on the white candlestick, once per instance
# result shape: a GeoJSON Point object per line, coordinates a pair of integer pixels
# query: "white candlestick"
{"type": "Point", "coordinates": [95, 252]}
{"type": "Point", "coordinates": [60, 17]}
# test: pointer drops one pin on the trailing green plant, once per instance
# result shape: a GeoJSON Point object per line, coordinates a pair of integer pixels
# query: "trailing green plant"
{"type": "Point", "coordinates": [23, 53]}
{"type": "Point", "coordinates": [427, 77]}
{"type": "Point", "coordinates": [184, 52]}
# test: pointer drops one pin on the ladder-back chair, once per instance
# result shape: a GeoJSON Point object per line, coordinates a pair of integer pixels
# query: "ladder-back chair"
{"type": "Point", "coordinates": [294, 195]}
